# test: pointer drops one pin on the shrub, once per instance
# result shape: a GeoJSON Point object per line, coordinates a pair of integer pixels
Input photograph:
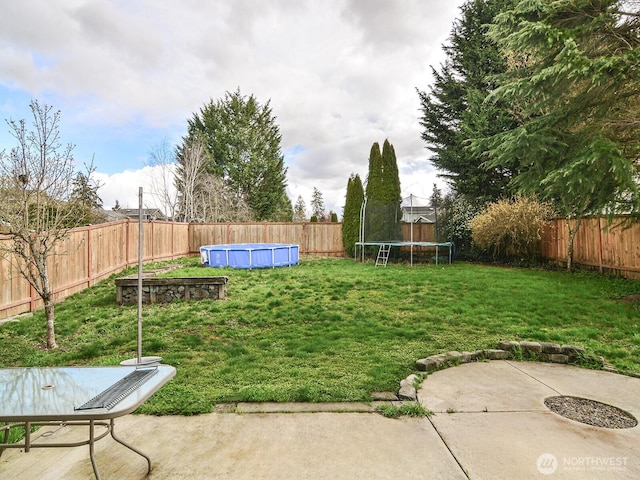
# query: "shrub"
{"type": "Point", "coordinates": [511, 228]}
{"type": "Point", "coordinates": [454, 225]}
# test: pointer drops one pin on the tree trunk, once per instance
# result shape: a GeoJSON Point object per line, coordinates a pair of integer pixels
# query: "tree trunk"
{"type": "Point", "coordinates": [572, 235]}
{"type": "Point", "coordinates": [49, 314]}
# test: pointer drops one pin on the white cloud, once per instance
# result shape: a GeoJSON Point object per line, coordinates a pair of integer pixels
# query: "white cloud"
{"type": "Point", "coordinates": [340, 75]}
{"type": "Point", "coordinates": [124, 187]}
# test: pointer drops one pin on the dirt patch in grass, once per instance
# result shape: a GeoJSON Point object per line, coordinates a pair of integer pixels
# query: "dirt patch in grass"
{"type": "Point", "coordinates": [631, 299]}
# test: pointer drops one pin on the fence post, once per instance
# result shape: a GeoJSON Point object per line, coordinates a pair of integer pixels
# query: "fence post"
{"type": "Point", "coordinates": [126, 254]}
{"type": "Point", "coordinates": [304, 239]}
{"type": "Point", "coordinates": [600, 245]}
{"type": "Point", "coordinates": [89, 266]}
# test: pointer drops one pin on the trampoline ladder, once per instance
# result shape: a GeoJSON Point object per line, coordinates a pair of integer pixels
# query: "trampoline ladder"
{"type": "Point", "coordinates": [383, 255]}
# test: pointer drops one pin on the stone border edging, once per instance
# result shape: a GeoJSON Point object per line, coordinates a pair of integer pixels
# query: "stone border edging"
{"type": "Point", "coordinates": [506, 350]}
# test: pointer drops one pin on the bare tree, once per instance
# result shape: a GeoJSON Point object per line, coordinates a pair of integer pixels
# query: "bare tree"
{"type": "Point", "coordinates": [163, 160]}
{"type": "Point", "coordinates": [205, 197]}
{"type": "Point", "coordinates": [37, 207]}
{"type": "Point", "coordinates": [191, 168]}
{"type": "Point", "coordinates": [215, 202]}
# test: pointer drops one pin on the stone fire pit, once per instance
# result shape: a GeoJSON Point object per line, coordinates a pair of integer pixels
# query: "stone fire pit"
{"type": "Point", "coordinates": [166, 289]}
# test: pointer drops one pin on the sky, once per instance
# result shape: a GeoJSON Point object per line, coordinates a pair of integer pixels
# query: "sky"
{"type": "Point", "coordinates": [126, 76]}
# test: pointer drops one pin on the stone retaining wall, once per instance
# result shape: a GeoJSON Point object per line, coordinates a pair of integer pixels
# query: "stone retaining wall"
{"type": "Point", "coordinates": [166, 290]}
{"type": "Point", "coordinates": [543, 352]}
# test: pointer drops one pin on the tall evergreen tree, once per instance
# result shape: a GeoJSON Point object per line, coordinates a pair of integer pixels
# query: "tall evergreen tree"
{"type": "Point", "coordinates": [392, 190]}
{"type": "Point", "coordinates": [84, 193]}
{"type": "Point", "coordinates": [351, 214]}
{"type": "Point", "coordinates": [575, 82]}
{"type": "Point", "coordinates": [375, 179]}
{"type": "Point", "coordinates": [317, 205]}
{"type": "Point", "coordinates": [300, 210]}
{"type": "Point", "coordinates": [243, 142]}
{"type": "Point", "coordinates": [382, 216]}
{"type": "Point", "coordinates": [454, 110]}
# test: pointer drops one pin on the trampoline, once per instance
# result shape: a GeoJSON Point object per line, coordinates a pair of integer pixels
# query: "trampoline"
{"type": "Point", "coordinates": [385, 247]}
{"type": "Point", "coordinates": [249, 255]}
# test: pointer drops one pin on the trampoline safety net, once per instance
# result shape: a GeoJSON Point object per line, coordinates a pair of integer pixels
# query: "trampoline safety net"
{"type": "Point", "coordinates": [380, 221]}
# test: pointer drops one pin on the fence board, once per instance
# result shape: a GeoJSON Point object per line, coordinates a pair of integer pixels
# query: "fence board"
{"type": "Point", "coordinates": [14, 291]}
{"type": "Point", "coordinates": [609, 247]}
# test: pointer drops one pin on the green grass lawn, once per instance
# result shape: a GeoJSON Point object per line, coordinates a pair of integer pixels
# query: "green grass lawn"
{"type": "Point", "coordinates": [331, 329]}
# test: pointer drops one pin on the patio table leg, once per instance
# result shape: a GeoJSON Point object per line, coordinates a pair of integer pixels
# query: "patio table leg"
{"type": "Point", "coordinates": [6, 429]}
{"type": "Point", "coordinates": [113, 435]}
{"type": "Point", "coordinates": [91, 449]}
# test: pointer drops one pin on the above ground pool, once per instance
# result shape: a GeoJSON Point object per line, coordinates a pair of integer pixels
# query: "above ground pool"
{"type": "Point", "coordinates": [249, 255]}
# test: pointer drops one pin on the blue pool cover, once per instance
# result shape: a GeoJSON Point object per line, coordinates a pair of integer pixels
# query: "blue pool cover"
{"type": "Point", "coordinates": [249, 255]}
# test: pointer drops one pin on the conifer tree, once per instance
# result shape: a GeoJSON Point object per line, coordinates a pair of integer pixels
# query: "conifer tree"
{"type": "Point", "coordinates": [391, 192]}
{"type": "Point", "coordinates": [575, 82]}
{"type": "Point", "coordinates": [390, 171]}
{"type": "Point", "coordinates": [454, 110]}
{"type": "Point", "coordinates": [382, 216]}
{"type": "Point", "coordinates": [300, 210]}
{"type": "Point", "coordinates": [242, 142]}
{"type": "Point", "coordinates": [375, 181]}
{"type": "Point", "coordinates": [351, 214]}
{"type": "Point", "coordinates": [317, 205]}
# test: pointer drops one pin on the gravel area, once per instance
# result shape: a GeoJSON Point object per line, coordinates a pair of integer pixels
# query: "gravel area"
{"type": "Point", "coordinates": [590, 412]}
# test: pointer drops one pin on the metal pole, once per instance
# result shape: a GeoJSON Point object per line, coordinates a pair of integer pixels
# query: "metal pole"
{"type": "Point", "coordinates": [412, 223]}
{"type": "Point", "coordinates": [140, 249]}
{"type": "Point", "coordinates": [363, 210]}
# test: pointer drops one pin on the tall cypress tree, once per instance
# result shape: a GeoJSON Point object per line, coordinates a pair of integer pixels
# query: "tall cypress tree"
{"type": "Point", "coordinates": [390, 171]}
{"type": "Point", "coordinates": [351, 213]}
{"type": "Point", "coordinates": [382, 215]}
{"type": "Point", "coordinates": [375, 181]}
{"type": "Point", "coordinates": [391, 192]}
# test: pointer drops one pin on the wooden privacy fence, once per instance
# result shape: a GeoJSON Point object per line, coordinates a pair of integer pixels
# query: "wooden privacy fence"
{"type": "Point", "coordinates": [90, 254]}
{"type": "Point", "coordinates": [419, 232]}
{"type": "Point", "coordinates": [313, 238]}
{"type": "Point", "coordinates": [598, 244]}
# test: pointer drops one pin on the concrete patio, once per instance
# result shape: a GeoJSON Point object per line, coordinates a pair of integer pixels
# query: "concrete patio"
{"type": "Point", "coordinates": [489, 422]}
